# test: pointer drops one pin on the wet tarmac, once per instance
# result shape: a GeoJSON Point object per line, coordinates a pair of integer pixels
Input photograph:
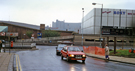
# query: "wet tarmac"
{"type": "Point", "coordinates": [45, 59]}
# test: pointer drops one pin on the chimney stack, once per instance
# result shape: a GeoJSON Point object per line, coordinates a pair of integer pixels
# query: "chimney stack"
{"type": "Point", "coordinates": [42, 26]}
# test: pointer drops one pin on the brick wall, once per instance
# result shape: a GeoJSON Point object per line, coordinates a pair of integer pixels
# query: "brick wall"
{"type": "Point", "coordinates": [21, 30]}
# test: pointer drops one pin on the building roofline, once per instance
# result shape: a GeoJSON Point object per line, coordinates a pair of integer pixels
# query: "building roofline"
{"type": "Point", "coordinates": [113, 8]}
{"type": "Point", "coordinates": [23, 24]}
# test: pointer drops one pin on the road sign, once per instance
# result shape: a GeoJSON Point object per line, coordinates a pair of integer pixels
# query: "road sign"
{"type": "Point", "coordinates": [39, 35]}
{"type": "Point", "coordinates": [2, 33]}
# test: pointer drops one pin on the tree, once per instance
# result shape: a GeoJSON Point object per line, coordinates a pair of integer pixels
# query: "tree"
{"type": "Point", "coordinates": [29, 33]}
{"type": "Point", "coordinates": [50, 33]}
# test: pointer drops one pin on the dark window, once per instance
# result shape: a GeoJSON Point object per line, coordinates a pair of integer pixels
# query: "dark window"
{"type": "Point", "coordinates": [131, 41]}
{"type": "Point", "coordinates": [121, 31]}
{"type": "Point", "coordinates": [117, 31]}
{"type": "Point", "coordinates": [111, 41]}
{"type": "Point", "coordinates": [89, 39]}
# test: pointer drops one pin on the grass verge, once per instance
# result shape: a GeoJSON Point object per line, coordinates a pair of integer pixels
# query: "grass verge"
{"type": "Point", "coordinates": [123, 53]}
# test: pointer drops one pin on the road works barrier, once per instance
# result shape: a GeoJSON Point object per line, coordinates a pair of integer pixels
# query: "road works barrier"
{"type": "Point", "coordinates": [94, 50]}
{"type": "Point", "coordinates": [132, 51]}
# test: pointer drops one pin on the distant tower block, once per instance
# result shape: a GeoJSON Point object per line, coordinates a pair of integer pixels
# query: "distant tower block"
{"type": "Point", "coordinates": [42, 26]}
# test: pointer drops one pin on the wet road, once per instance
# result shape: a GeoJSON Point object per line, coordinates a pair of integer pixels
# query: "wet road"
{"type": "Point", "coordinates": [45, 59]}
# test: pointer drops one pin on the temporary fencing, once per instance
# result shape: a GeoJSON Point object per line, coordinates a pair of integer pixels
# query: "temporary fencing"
{"type": "Point", "coordinates": [132, 51]}
{"type": "Point", "coordinates": [94, 50]}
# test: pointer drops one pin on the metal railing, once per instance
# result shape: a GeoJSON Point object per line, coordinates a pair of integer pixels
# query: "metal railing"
{"type": "Point", "coordinates": [45, 39]}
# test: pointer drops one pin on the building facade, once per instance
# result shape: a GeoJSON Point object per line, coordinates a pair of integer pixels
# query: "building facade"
{"type": "Point", "coordinates": [19, 28]}
{"type": "Point", "coordinates": [12, 28]}
{"type": "Point", "coordinates": [63, 26]}
{"type": "Point", "coordinates": [114, 22]}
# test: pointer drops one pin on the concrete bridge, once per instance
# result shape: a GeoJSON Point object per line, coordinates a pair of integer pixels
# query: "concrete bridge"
{"type": "Point", "coordinates": [46, 40]}
{"type": "Point", "coordinates": [88, 40]}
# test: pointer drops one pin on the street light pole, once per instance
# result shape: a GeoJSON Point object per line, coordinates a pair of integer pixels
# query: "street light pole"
{"type": "Point", "coordinates": [100, 21]}
{"type": "Point", "coordinates": [101, 25]}
{"type": "Point", "coordinates": [24, 37]}
{"type": "Point", "coordinates": [82, 23]}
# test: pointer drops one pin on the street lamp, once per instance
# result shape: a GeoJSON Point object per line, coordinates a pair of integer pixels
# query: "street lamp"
{"type": "Point", "coordinates": [24, 36]}
{"type": "Point", "coordinates": [100, 21]}
{"type": "Point", "coordinates": [82, 23]}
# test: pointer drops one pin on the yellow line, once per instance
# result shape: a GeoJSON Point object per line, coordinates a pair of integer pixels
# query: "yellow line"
{"type": "Point", "coordinates": [19, 63]}
{"type": "Point", "coordinates": [16, 63]}
{"type": "Point", "coordinates": [18, 60]}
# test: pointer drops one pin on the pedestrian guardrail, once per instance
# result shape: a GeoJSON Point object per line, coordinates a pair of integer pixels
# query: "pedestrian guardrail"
{"type": "Point", "coordinates": [20, 44]}
{"type": "Point", "coordinates": [94, 50]}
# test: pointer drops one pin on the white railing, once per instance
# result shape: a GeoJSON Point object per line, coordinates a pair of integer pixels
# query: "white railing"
{"type": "Point", "coordinates": [20, 45]}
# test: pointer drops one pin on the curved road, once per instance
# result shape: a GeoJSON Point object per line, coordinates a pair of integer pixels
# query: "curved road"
{"type": "Point", "coordinates": [45, 59]}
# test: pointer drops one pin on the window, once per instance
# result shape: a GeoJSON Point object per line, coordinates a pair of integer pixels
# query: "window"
{"type": "Point", "coordinates": [65, 48]}
{"type": "Point", "coordinates": [117, 30]}
{"type": "Point", "coordinates": [97, 40]}
{"type": "Point", "coordinates": [131, 41]}
{"type": "Point", "coordinates": [73, 49]}
{"type": "Point", "coordinates": [111, 41]}
{"type": "Point", "coordinates": [121, 31]}
{"type": "Point", "coordinates": [119, 40]}
{"type": "Point", "coordinates": [89, 39]}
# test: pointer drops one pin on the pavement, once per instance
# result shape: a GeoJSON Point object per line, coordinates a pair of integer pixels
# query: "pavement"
{"type": "Point", "coordinates": [114, 58]}
{"type": "Point", "coordinates": [6, 62]}
{"type": "Point", "coordinates": [6, 59]}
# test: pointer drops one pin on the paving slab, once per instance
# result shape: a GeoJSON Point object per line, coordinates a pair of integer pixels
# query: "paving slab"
{"type": "Point", "coordinates": [4, 61]}
{"type": "Point", "coordinates": [114, 58]}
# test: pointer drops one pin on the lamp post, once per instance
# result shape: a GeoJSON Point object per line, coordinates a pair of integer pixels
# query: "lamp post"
{"type": "Point", "coordinates": [24, 36]}
{"type": "Point", "coordinates": [82, 23]}
{"type": "Point", "coordinates": [100, 21]}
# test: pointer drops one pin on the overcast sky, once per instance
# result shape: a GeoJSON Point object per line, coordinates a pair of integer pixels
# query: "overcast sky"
{"type": "Point", "coordinates": [45, 11]}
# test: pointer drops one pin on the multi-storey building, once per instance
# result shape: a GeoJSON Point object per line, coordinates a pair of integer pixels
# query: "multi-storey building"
{"type": "Point", "coordinates": [114, 22]}
{"type": "Point", "coordinates": [62, 25]}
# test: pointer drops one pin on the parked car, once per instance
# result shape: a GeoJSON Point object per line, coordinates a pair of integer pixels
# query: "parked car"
{"type": "Point", "coordinates": [59, 48]}
{"type": "Point", "coordinates": [67, 42]}
{"type": "Point", "coordinates": [73, 53]}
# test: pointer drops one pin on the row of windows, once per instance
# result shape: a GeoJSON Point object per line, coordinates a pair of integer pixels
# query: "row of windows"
{"type": "Point", "coordinates": [97, 40]}
{"type": "Point", "coordinates": [112, 31]}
